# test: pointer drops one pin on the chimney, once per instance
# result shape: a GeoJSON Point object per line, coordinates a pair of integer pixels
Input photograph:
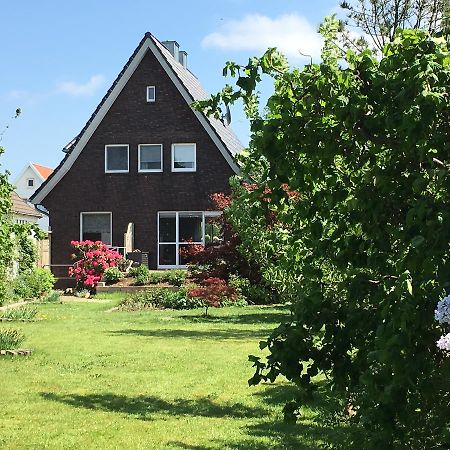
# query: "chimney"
{"type": "Point", "coordinates": [183, 58]}
{"type": "Point", "coordinates": [173, 48]}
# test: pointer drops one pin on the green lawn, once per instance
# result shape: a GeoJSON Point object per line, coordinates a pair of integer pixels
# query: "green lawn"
{"type": "Point", "coordinates": [153, 380]}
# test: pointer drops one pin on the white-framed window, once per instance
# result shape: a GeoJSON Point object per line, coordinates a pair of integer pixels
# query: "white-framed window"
{"type": "Point", "coordinates": [184, 157]}
{"type": "Point", "coordinates": [178, 230]}
{"type": "Point", "coordinates": [117, 158]}
{"type": "Point", "coordinates": [151, 93]}
{"type": "Point", "coordinates": [150, 158]}
{"type": "Point", "coordinates": [96, 226]}
{"type": "Point", "coordinates": [30, 182]}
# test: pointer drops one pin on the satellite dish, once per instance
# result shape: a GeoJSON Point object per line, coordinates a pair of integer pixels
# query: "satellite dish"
{"type": "Point", "coordinates": [226, 118]}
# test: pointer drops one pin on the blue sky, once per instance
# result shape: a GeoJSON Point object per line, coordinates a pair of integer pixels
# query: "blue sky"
{"type": "Point", "coordinates": [59, 58]}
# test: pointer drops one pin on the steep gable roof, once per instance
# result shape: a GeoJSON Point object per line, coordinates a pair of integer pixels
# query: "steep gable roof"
{"type": "Point", "coordinates": [21, 207]}
{"type": "Point", "coordinates": [186, 83]}
{"type": "Point", "coordinates": [44, 171]}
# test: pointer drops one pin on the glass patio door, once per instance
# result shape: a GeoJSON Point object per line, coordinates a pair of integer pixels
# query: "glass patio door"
{"type": "Point", "coordinates": [178, 230]}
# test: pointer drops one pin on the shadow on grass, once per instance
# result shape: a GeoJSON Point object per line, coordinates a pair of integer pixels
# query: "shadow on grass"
{"type": "Point", "coordinates": [144, 407]}
{"type": "Point", "coordinates": [215, 334]}
{"type": "Point", "coordinates": [272, 317]}
{"type": "Point", "coordinates": [313, 430]}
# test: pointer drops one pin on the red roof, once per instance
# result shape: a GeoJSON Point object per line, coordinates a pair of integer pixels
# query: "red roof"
{"type": "Point", "coordinates": [44, 171]}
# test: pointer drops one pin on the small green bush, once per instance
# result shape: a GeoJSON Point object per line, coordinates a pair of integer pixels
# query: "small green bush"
{"type": "Point", "coordinates": [256, 294]}
{"type": "Point", "coordinates": [52, 297]}
{"type": "Point", "coordinates": [175, 277]}
{"type": "Point", "coordinates": [6, 292]}
{"type": "Point", "coordinates": [156, 277]}
{"type": "Point", "coordinates": [141, 275]}
{"type": "Point", "coordinates": [10, 338]}
{"type": "Point", "coordinates": [33, 284]}
{"type": "Point", "coordinates": [26, 312]}
{"type": "Point", "coordinates": [112, 275]}
{"type": "Point", "coordinates": [159, 298]}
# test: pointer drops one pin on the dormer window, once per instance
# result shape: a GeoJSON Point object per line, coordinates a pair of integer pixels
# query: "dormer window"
{"type": "Point", "coordinates": [151, 93]}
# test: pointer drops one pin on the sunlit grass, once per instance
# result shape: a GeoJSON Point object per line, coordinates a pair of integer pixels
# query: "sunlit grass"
{"type": "Point", "coordinates": [153, 380]}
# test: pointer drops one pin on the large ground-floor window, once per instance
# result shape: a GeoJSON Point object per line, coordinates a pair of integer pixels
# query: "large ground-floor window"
{"type": "Point", "coordinates": [96, 226]}
{"type": "Point", "coordinates": [180, 229]}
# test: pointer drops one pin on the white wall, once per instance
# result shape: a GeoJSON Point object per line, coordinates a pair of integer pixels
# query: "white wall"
{"type": "Point", "coordinates": [22, 188]}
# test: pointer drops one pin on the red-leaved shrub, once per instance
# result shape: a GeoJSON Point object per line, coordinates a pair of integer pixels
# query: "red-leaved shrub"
{"type": "Point", "coordinates": [213, 291]}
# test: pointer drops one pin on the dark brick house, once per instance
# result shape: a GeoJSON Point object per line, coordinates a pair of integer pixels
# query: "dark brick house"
{"type": "Point", "coordinates": [145, 158]}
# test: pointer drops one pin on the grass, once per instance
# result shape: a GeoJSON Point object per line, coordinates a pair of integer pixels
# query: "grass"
{"type": "Point", "coordinates": [25, 312]}
{"type": "Point", "coordinates": [153, 380]}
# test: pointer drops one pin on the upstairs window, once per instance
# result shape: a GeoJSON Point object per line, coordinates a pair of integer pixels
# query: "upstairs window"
{"type": "Point", "coordinates": [183, 158]}
{"type": "Point", "coordinates": [116, 158]}
{"type": "Point", "coordinates": [151, 93]}
{"type": "Point", "coordinates": [30, 182]}
{"type": "Point", "coordinates": [150, 158]}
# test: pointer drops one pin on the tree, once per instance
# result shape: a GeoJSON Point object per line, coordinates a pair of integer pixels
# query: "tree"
{"type": "Point", "coordinates": [6, 241]}
{"type": "Point", "coordinates": [379, 20]}
{"type": "Point", "coordinates": [366, 248]}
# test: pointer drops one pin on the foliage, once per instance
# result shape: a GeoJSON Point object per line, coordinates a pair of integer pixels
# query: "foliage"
{"type": "Point", "coordinates": [33, 284]}
{"type": "Point", "coordinates": [52, 297]}
{"type": "Point", "coordinates": [26, 312]}
{"type": "Point", "coordinates": [112, 275]}
{"type": "Point", "coordinates": [10, 338]}
{"type": "Point", "coordinates": [256, 294]}
{"type": "Point", "coordinates": [380, 20]}
{"type": "Point", "coordinates": [6, 242]}
{"type": "Point", "coordinates": [364, 254]}
{"type": "Point", "coordinates": [213, 292]}
{"type": "Point", "coordinates": [141, 275]}
{"type": "Point", "coordinates": [91, 261]}
{"type": "Point", "coordinates": [175, 277]}
{"type": "Point", "coordinates": [25, 236]}
{"type": "Point", "coordinates": [159, 298]}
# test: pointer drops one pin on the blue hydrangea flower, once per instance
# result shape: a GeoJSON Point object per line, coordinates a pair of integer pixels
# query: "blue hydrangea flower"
{"type": "Point", "coordinates": [442, 312]}
{"type": "Point", "coordinates": [444, 342]}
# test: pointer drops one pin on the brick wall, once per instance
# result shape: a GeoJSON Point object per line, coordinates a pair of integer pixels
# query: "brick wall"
{"type": "Point", "coordinates": [136, 197]}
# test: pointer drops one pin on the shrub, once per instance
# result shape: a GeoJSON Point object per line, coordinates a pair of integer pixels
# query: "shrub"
{"type": "Point", "coordinates": [160, 298]}
{"type": "Point", "coordinates": [155, 277]}
{"type": "Point", "coordinates": [112, 275]}
{"type": "Point", "coordinates": [33, 284]}
{"type": "Point", "coordinates": [26, 312]}
{"type": "Point", "coordinates": [214, 292]}
{"type": "Point", "coordinates": [175, 277]}
{"type": "Point", "coordinates": [91, 261]}
{"type": "Point", "coordinates": [141, 275]}
{"type": "Point", "coordinates": [52, 297]}
{"type": "Point", "coordinates": [10, 338]}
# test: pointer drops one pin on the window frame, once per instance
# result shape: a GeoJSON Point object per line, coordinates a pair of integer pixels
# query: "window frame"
{"type": "Point", "coordinates": [128, 158]}
{"type": "Point", "coordinates": [183, 169]}
{"type": "Point", "coordinates": [98, 212]}
{"type": "Point", "coordinates": [150, 170]}
{"type": "Point", "coordinates": [177, 243]}
{"type": "Point", "coordinates": [151, 100]}
{"type": "Point", "coordinates": [30, 186]}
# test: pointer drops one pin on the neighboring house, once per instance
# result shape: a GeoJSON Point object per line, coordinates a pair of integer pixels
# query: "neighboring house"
{"type": "Point", "coordinates": [22, 212]}
{"type": "Point", "coordinates": [144, 161]}
{"type": "Point", "coordinates": [29, 180]}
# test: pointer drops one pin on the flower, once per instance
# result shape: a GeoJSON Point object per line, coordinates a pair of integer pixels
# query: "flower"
{"type": "Point", "coordinates": [444, 342]}
{"type": "Point", "coordinates": [442, 312]}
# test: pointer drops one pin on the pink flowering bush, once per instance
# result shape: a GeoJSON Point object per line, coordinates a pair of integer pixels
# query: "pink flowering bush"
{"type": "Point", "coordinates": [91, 260]}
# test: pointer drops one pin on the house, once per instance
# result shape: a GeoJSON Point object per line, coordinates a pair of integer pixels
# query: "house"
{"type": "Point", "coordinates": [145, 161]}
{"type": "Point", "coordinates": [22, 212]}
{"type": "Point", "coordinates": [29, 180]}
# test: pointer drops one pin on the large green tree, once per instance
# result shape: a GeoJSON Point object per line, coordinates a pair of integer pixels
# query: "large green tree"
{"type": "Point", "coordinates": [364, 254]}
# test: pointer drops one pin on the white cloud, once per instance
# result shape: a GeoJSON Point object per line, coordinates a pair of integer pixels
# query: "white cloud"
{"type": "Point", "coordinates": [290, 33]}
{"type": "Point", "coordinates": [79, 89]}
